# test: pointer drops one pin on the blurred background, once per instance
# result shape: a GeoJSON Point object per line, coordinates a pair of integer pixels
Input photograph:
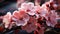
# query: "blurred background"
{"type": "Point", "coordinates": [7, 5]}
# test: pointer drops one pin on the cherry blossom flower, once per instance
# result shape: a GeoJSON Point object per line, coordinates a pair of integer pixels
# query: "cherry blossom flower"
{"type": "Point", "coordinates": [20, 17]}
{"type": "Point", "coordinates": [7, 19]}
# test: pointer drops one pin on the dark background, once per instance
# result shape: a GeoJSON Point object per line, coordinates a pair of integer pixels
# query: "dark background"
{"type": "Point", "coordinates": [7, 6]}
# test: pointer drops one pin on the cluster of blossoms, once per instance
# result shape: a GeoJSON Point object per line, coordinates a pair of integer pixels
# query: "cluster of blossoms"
{"type": "Point", "coordinates": [29, 15]}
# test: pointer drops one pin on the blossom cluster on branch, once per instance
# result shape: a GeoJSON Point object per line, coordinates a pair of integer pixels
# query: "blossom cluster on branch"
{"type": "Point", "coordinates": [28, 16]}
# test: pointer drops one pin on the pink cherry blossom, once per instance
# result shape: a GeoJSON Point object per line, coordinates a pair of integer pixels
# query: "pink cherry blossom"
{"type": "Point", "coordinates": [7, 19]}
